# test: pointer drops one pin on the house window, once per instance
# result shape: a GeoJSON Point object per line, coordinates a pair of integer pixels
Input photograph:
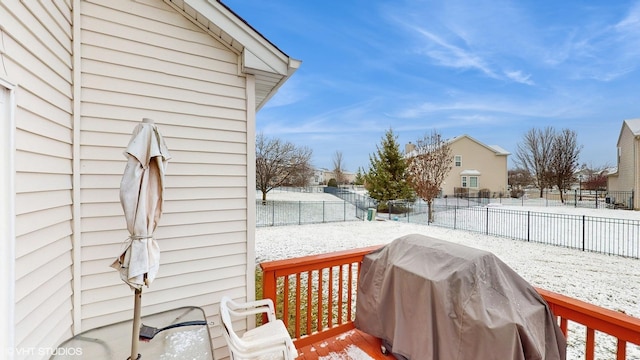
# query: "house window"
{"type": "Point", "coordinates": [619, 152]}
{"type": "Point", "coordinates": [473, 181]}
{"type": "Point", "coordinates": [470, 182]}
{"type": "Point", "coordinates": [458, 160]}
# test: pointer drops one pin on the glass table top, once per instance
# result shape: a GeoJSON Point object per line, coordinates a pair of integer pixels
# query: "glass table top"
{"type": "Point", "coordinates": [114, 341]}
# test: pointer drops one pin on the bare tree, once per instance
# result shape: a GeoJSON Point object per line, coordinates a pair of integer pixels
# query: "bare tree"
{"type": "Point", "coordinates": [428, 167]}
{"type": "Point", "coordinates": [338, 168]}
{"type": "Point", "coordinates": [564, 160]}
{"type": "Point", "coordinates": [301, 177]}
{"type": "Point", "coordinates": [279, 163]}
{"type": "Point", "coordinates": [534, 154]}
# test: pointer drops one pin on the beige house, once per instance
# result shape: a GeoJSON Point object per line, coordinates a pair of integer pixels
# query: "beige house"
{"type": "Point", "coordinates": [475, 167]}
{"type": "Point", "coordinates": [322, 176]}
{"type": "Point", "coordinates": [627, 176]}
{"type": "Point", "coordinates": [76, 76]}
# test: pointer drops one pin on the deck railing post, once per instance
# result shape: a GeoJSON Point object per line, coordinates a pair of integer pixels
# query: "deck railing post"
{"type": "Point", "coordinates": [268, 289]}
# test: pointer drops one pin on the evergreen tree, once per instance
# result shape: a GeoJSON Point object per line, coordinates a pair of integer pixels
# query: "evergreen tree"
{"type": "Point", "coordinates": [359, 180]}
{"type": "Point", "coordinates": [386, 179]}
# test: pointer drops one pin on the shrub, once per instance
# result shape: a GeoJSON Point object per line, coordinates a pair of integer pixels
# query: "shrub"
{"type": "Point", "coordinates": [461, 192]}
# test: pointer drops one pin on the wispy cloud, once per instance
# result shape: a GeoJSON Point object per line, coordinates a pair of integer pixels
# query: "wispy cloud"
{"type": "Point", "coordinates": [363, 116]}
{"type": "Point", "coordinates": [291, 92]}
{"type": "Point", "coordinates": [631, 22]}
{"type": "Point", "coordinates": [466, 38]}
{"type": "Point", "coordinates": [449, 55]}
{"type": "Point", "coordinates": [600, 50]}
{"type": "Point", "coordinates": [495, 107]}
{"type": "Point", "coordinates": [519, 77]}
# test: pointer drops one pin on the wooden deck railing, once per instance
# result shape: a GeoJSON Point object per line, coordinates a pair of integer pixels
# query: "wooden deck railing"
{"type": "Point", "coordinates": [315, 297]}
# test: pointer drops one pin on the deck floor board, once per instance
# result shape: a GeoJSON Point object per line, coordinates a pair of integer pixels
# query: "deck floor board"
{"type": "Point", "coordinates": [338, 345]}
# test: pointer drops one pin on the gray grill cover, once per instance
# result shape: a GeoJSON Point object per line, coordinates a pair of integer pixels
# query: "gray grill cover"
{"type": "Point", "coordinates": [432, 299]}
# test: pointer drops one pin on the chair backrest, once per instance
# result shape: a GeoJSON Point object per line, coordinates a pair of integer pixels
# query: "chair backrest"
{"type": "Point", "coordinates": [227, 326]}
{"type": "Point", "coordinates": [268, 339]}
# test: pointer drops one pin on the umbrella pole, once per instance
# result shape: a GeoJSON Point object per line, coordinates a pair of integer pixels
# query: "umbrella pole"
{"type": "Point", "coordinates": [136, 325]}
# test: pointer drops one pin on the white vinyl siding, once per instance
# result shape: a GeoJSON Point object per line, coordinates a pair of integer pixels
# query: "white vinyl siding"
{"type": "Point", "coordinates": [72, 107]}
{"type": "Point", "coordinates": [7, 214]}
{"type": "Point", "coordinates": [37, 43]}
{"type": "Point", "coordinates": [149, 61]}
{"type": "Point", "coordinates": [626, 165]}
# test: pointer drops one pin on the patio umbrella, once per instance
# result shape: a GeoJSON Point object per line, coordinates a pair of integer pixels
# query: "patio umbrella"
{"type": "Point", "coordinates": [141, 196]}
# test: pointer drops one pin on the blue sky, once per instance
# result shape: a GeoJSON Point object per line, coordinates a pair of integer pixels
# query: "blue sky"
{"type": "Point", "coordinates": [491, 69]}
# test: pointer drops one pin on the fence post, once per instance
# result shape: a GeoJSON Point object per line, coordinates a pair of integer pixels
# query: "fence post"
{"type": "Point", "coordinates": [575, 198]}
{"type": "Point", "coordinates": [528, 226]}
{"type": "Point", "coordinates": [596, 199]}
{"type": "Point", "coordinates": [583, 232]}
{"type": "Point", "coordinates": [455, 217]}
{"type": "Point", "coordinates": [487, 230]}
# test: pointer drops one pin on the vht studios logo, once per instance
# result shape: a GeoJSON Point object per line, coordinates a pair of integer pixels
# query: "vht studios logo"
{"type": "Point", "coordinates": [60, 351]}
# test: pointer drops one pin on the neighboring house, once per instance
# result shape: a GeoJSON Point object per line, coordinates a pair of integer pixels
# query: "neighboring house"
{"type": "Point", "coordinates": [475, 167]}
{"type": "Point", "coordinates": [322, 176]}
{"type": "Point", "coordinates": [318, 177]}
{"type": "Point", "coordinates": [627, 176]}
{"type": "Point", "coordinates": [348, 177]}
{"type": "Point", "coordinates": [76, 76]}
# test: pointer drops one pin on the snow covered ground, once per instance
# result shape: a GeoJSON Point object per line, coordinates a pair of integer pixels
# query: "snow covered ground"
{"type": "Point", "coordinates": [608, 281]}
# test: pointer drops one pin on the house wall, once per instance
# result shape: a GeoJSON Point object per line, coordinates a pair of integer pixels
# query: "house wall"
{"type": "Point", "coordinates": [493, 168]}
{"type": "Point", "coordinates": [41, 132]}
{"type": "Point", "coordinates": [144, 59]}
{"type": "Point", "coordinates": [627, 164]}
{"type": "Point", "coordinates": [131, 59]}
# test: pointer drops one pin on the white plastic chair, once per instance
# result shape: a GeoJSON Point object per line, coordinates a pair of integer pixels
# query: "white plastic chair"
{"type": "Point", "coordinates": [268, 341]}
